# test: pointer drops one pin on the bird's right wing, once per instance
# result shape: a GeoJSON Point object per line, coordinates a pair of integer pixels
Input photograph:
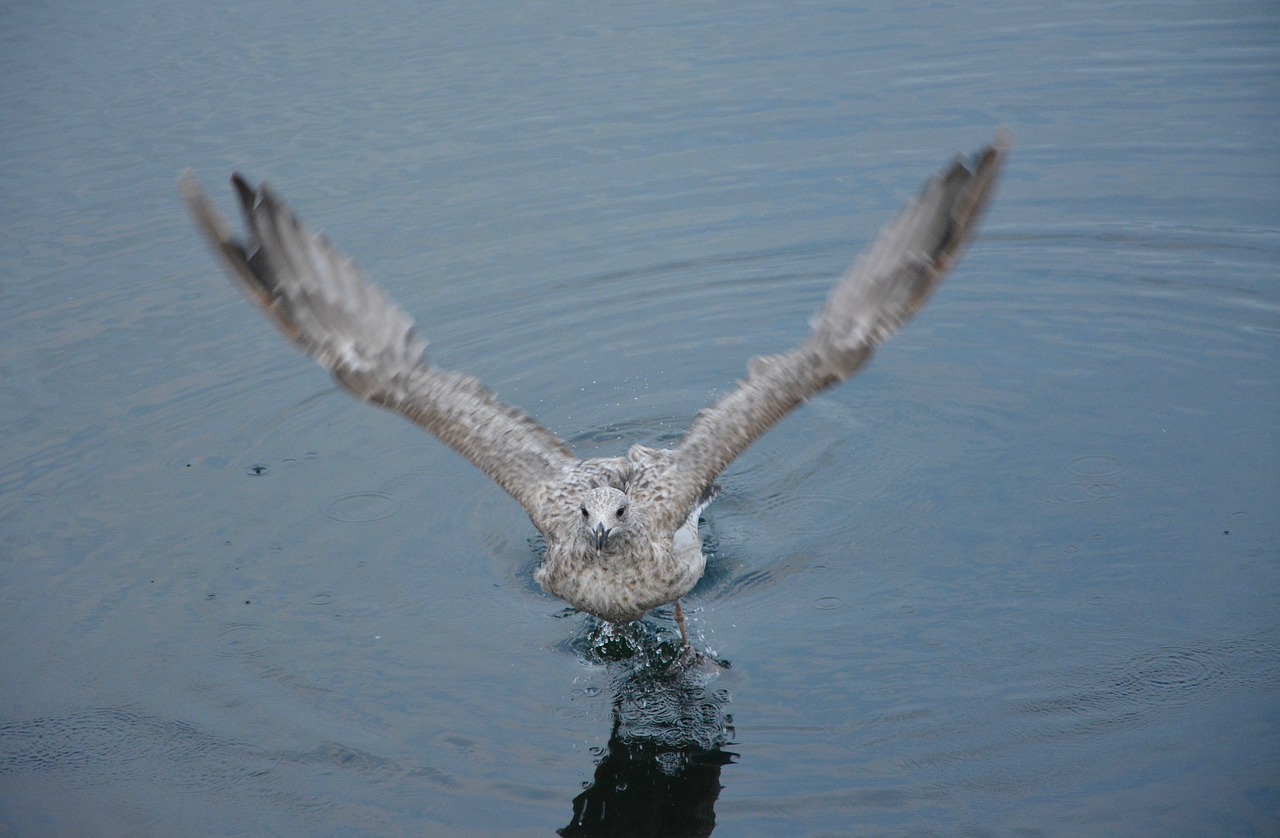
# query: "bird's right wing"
{"type": "Point", "coordinates": [876, 296]}
{"type": "Point", "coordinates": [324, 304]}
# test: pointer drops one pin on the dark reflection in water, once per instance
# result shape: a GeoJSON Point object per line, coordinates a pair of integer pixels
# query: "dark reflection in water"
{"type": "Point", "coordinates": [660, 773]}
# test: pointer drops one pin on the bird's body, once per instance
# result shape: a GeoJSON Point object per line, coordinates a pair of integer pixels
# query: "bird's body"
{"type": "Point", "coordinates": [622, 567]}
{"type": "Point", "coordinates": [622, 532]}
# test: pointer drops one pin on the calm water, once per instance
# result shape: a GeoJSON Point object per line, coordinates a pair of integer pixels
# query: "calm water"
{"type": "Point", "coordinates": [1020, 577]}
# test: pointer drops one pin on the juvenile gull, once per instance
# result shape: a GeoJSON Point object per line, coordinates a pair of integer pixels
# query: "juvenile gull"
{"type": "Point", "coordinates": [621, 532]}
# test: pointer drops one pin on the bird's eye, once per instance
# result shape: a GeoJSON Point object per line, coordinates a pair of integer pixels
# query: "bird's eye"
{"type": "Point", "coordinates": [621, 511]}
{"type": "Point", "coordinates": [584, 512]}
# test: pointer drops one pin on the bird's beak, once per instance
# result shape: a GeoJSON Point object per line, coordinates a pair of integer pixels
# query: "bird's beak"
{"type": "Point", "coordinates": [602, 535]}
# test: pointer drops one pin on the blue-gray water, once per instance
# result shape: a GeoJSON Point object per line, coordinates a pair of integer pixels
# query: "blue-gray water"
{"type": "Point", "coordinates": [1020, 577]}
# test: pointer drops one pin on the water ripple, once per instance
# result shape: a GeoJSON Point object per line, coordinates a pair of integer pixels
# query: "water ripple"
{"type": "Point", "coordinates": [1152, 683]}
{"type": "Point", "coordinates": [362, 508]}
{"type": "Point", "coordinates": [123, 742]}
{"type": "Point", "coordinates": [1096, 465]}
{"type": "Point", "coordinates": [247, 641]}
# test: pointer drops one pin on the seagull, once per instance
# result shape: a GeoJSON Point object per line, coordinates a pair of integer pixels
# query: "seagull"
{"type": "Point", "coordinates": [621, 533]}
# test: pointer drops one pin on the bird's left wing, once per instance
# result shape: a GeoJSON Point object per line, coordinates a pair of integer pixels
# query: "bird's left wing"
{"type": "Point", "coordinates": [324, 304]}
{"type": "Point", "coordinates": [876, 296]}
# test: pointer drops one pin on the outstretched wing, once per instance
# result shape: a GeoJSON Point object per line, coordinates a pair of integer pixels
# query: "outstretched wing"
{"type": "Point", "coordinates": [876, 296]}
{"type": "Point", "coordinates": [324, 304]}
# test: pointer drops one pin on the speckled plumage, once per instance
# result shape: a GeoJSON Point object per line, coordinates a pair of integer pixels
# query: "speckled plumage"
{"type": "Point", "coordinates": [616, 566]}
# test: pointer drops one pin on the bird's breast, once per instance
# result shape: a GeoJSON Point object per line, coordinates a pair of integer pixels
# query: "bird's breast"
{"type": "Point", "coordinates": [617, 586]}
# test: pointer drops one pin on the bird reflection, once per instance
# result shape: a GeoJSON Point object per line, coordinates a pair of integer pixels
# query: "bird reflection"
{"type": "Point", "coordinates": [660, 773]}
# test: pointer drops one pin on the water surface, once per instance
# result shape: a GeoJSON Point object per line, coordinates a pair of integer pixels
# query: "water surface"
{"type": "Point", "coordinates": [1018, 577]}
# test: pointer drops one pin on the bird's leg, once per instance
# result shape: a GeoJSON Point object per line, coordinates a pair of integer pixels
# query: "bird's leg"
{"type": "Point", "coordinates": [680, 622]}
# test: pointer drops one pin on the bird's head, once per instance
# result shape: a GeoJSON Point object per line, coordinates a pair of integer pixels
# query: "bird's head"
{"type": "Point", "coordinates": [605, 514]}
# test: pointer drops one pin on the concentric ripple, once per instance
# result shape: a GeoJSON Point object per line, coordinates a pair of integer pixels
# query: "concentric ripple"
{"type": "Point", "coordinates": [362, 508]}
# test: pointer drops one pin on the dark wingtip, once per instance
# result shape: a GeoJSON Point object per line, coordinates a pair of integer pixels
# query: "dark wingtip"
{"type": "Point", "coordinates": [244, 192]}
{"type": "Point", "coordinates": [971, 180]}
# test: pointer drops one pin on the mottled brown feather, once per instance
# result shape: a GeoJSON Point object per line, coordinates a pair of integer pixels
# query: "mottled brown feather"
{"type": "Point", "coordinates": [324, 304]}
